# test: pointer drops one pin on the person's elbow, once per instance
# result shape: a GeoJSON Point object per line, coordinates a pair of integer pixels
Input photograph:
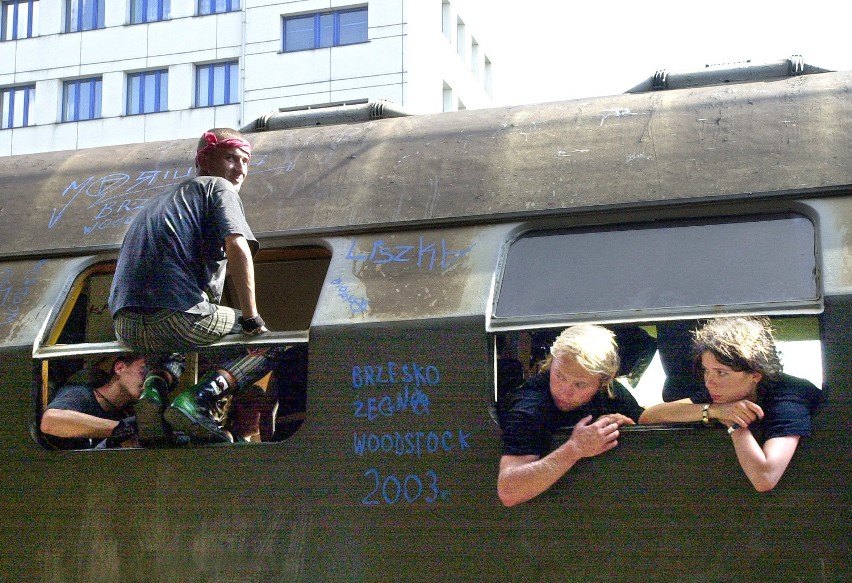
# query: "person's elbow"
{"type": "Point", "coordinates": [507, 497]}
{"type": "Point", "coordinates": [508, 492]}
{"type": "Point", "coordinates": [48, 422]}
{"type": "Point", "coordinates": [765, 483]}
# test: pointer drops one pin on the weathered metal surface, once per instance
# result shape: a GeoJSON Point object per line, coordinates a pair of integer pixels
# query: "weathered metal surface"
{"type": "Point", "coordinates": [626, 150]}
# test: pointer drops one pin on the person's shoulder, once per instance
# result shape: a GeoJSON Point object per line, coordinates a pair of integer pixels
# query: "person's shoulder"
{"type": "Point", "coordinates": [69, 393]}
{"type": "Point", "coordinates": [789, 388]}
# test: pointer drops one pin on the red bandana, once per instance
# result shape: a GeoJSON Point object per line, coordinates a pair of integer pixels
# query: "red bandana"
{"type": "Point", "coordinates": [213, 142]}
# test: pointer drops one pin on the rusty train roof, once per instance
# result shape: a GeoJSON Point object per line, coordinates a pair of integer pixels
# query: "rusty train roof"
{"type": "Point", "coordinates": [761, 139]}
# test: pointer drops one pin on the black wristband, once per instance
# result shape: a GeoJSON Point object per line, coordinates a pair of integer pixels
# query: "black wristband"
{"type": "Point", "coordinates": [125, 429]}
{"type": "Point", "coordinates": [251, 325]}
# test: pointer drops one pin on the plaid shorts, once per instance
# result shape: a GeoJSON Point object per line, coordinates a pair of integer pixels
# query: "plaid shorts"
{"type": "Point", "coordinates": [170, 330]}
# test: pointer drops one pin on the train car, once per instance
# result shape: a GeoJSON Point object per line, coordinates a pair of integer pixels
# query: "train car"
{"type": "Point", "coordinates": [403, 260]}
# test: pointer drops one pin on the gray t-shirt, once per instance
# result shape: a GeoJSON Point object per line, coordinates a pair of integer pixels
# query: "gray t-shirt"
{"type": "Point", "coordinates": [173, 253]}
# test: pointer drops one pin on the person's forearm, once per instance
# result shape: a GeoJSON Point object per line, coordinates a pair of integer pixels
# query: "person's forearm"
{"type": "Point", "coordinates": [241, 268]}
{"type": "Point", "coordinates": [675, 412]}
{"type": "Point", "coordinates": [64, 423]}
{"type": "Point", "coordinates": [524, 482]}
{"type": "Point", "coordinates": [764, 472]}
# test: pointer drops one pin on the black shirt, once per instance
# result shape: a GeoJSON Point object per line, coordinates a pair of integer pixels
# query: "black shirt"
{"type": "Point", "coordinates": [531, 417]}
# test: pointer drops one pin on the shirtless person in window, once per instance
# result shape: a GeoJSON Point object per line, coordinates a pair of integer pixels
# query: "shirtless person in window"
{"type": "Point", "coordinates": [576, 385]}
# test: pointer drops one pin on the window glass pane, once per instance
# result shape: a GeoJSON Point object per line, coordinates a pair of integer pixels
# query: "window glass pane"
{"type": "Point", "coordinates": [164, 91]}
{"type": "Point", "coordinates": [202, 86]}
{"type": "Point", "coordinates": [233, 83]}
{"type": "Point", "coordinates": [299, 33]}
{"type": "Point", "coordinates": [5, 108]}
{"type": "Point", "coordinates": [69, 112]}
{"type": "Point", "coordinates": [353, 27]}
{"type": "Point", "coordinates": [326, 30]}
{"type": "Point", "coordinates": [150, 93]}
{"type": "Point", "coordinates": [134, 94]}
{"type": "Point", "coordinates": [681, 266]}
{"type": "Point", "coordinates": [86, 103]}
{"type": "Point", "coordinates": [218, 97]}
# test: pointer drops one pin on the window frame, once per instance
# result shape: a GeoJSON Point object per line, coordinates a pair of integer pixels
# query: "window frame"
{"type": "Point", "coordinates": [208, 7]}
{"type": "Point", "coordinates": [13, 8]}
{"type": "Point", "coordinates": [161, 88]}
{"type": "Point", "coordinates": [231, 90]}
{"type": "Point", "coordinates": [140, 9]}
{"type": "Point", "coordinates": [318, 24]}
{"type": "Point", "coordinates": [75, 15]}
{"type": "Point", "coordinates": [7, 96]}
{"type": "Point", "coordinates": [95, 89]}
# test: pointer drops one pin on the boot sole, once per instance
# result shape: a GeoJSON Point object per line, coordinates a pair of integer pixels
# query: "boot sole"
{"type": "Point", "coordinates": [152, 428]}
{"type": "Point", "coordinates": [195, 427]}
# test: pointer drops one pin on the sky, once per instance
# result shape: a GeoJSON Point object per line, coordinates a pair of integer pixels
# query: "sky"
{"type": "Point", "coordinates": [554, 50]}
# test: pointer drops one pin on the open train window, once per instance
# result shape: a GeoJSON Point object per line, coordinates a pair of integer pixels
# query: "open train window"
{"type": "Point", "coordinates": [80, 348]}
{"type": "Point", "coordinates": [657, 362]}
{"type": "Point", "coordinates": [652, 284]}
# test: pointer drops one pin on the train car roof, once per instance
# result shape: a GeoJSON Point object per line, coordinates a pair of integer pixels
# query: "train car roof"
{"type": "Point", "coordinates": [775, 138]}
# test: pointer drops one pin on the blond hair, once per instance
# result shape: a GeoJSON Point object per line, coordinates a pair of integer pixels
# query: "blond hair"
{"type": "Point", "coordinates": [593, 347]}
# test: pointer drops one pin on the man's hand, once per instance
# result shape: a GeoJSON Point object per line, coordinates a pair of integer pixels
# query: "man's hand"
{"type": "Point", "coordinates": [253, 326]}
{"type": "Point", "coordinates": [591, 439]}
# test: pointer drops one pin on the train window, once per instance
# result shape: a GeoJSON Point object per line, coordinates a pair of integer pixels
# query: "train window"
{"type": "Point", "coordinates": [627, 272]}
{"type": "Point", "coordinates": [80, 347]}
{"type": "Point", "coordinates": [657, 362]}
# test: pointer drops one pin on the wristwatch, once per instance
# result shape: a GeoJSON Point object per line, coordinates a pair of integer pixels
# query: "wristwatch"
{"type": "Point", "coordinates": [705, 414]}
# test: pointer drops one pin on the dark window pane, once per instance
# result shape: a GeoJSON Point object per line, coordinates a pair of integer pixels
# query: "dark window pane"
{"type": "Point", "coordinates": [681, 266]}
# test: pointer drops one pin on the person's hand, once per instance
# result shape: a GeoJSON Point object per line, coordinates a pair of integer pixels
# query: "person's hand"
{"type": "Point", "coordinates": [619, 419]}
{"type": "Point", "coordinates": [253, 326]}
{"type": "Point", "coordinates": [741, 413]}
{"type": "Point", "coordinates": [591, 439]}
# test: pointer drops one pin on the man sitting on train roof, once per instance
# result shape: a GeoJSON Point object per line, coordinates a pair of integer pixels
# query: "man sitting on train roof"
{"type": "Point", "coordinates": [80, 415]}
{"type": "Point", "coordinates": [168, 284]}
{"type": "Point", "coordinates": [576, 385]}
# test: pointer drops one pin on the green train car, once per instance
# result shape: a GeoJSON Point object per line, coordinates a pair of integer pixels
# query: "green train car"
{"type": "Point", "coordinates": [403, 259]}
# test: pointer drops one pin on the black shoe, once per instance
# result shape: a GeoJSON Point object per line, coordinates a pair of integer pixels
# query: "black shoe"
{"type": "Point", "coordinates": [193, 412]}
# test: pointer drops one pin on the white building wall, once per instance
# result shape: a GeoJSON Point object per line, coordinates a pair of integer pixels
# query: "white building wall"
{"type": "Point", "coordinates": [407, 60]}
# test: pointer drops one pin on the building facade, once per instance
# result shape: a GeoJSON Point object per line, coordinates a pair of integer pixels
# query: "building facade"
{"type": "Point", "coordinates": [88, 73]}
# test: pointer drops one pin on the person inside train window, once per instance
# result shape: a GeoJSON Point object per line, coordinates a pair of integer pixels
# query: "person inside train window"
{"type": "Point", "coordinates": [168, 284]}
{"type": "Point", "coordinates": [766, 411]}
{"type": "Point", "coordinates": [81, 415]}
{"type": "Point", "coordinates": [575, 387]}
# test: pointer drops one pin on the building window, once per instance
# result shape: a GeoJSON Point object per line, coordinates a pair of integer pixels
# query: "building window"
{"type": "Point", "coordinates": [19, 19]}
{"type": "Point", "coordinates": [445, 21]}
{"type": "Point", "coordinates": [83, 15]}
{"type": "Point", "coordinates": [325, 29]}
{"type": "Point", "coordinates": [16, 106]}
{"type": "Point", "coordinates": [82, 99]}
{"type": "Point", "coordinates": [217, 6]}
{"type": "Point", "coordinates": [216, 84]}
{"type": "Point", "coordinates": [460, 39]}
{"type": "Point", "coordinates": [147, 92]}
{"type": "Point", "coordinates": [149, 11]}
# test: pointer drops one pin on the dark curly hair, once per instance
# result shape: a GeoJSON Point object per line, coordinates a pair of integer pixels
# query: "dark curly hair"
{"type": "Point", "coordinates": [742, 343]}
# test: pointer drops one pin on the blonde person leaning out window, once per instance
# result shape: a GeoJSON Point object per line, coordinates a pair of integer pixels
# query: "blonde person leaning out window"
{"type": "Point", "coordinates": [766, 411]}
